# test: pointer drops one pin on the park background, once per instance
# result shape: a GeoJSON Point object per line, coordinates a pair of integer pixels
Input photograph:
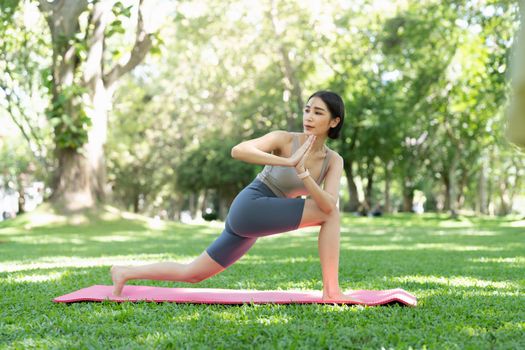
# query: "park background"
{"type": "Point", "coordinates": [117, 119]}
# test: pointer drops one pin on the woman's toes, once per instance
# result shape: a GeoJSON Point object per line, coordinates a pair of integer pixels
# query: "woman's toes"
{"type": "Point", "coordinates": [118, 277]}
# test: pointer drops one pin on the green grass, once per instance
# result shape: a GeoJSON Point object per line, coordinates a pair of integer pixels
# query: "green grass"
{"type": "Point", "coordinates": [468, 275]}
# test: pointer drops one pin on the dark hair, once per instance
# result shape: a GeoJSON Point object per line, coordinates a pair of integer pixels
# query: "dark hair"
{"type": "Point", "coordinates": [336, 106]}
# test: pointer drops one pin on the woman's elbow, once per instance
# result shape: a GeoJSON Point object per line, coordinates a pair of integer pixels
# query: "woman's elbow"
{"type": "Point", "coordinates": [235, 152]}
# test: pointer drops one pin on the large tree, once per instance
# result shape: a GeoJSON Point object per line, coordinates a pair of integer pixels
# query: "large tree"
{"type": "Point", "coordinates": [82, 82]}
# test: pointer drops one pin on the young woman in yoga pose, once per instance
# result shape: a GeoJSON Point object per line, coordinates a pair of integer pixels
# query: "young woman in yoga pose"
{"type": "Point", "coordinates": [296, 164]}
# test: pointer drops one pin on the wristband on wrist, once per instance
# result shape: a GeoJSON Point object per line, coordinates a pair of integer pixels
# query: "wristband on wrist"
{"type": "Point", "coordinates": [303, 175]}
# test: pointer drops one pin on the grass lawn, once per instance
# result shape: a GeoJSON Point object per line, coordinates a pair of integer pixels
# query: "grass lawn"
{"type": "Point", "coordinates": [468, 275]}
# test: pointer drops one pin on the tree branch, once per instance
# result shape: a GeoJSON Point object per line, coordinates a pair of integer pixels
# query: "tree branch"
{"type": "Point", "coordinates": [33, 139]}
{"type": "Point", "coordinates": [94, 39]}
{"type": "Point", "coordinates": [10, 103]}
{"type": "Point", "coordinates": [139, 51]}
{"type": "Point", "coordinates": [329, 64]}
{"type": "Point", "coordinates": [64, 15]}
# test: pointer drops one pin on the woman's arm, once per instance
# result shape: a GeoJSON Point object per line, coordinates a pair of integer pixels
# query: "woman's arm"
{"type": "Point", "coordinates": [328, 197]}
{"type": "Point", "coordinates": [258, 151]}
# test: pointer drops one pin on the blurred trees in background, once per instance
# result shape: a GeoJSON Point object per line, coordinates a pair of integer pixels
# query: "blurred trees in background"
{"type": "Point", "coordinates": [424, 84]}
{"type": "Point", "coordinates": [78, 64]}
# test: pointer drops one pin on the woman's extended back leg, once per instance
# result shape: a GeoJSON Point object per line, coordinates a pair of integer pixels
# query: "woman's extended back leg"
{"type": "Point", "coordinates": [199, 269]}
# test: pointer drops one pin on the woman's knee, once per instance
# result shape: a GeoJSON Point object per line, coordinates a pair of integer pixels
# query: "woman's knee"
{"type": "Point", "coordinates": [201, 268]}
{"type": "Point", "coordinates": [313, 215]}
{"type": "Point", "coordinates": [334, 215]}
{"type": "Point", "coordinates": [190, 275]}
{"type": "Point", "coordinates": [195, 278]}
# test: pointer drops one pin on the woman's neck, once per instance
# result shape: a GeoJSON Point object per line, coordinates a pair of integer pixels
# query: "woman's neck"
{"type": "Point", "coordinates": [318, 146]}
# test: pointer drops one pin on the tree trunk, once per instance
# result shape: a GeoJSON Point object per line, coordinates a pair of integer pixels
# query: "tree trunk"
{"type": "Point", "coordinates": [100, 101]}
{"type": "Point", "coordinates": [353, 204]}
{"type": "Point", "coordinates": [292, 88]}
{"type": "Point", "coordinates": [408, 199]}
{"type": "Point", "coordinates": [80, 178]}
{"type": "Point", "coordinates": [196, 201]}
{"type": "Point", "coordinates": [226, 197]}
{"type": "Point", "coordinates": [369, 186]}
{"type": "Point", "coordinates": [200, 204]}
{"type": "Point", "coordinates": [21, 197]}
{"type": "Point", "coordinates": [136, 203]}
{"type": "Point", "coordinates": [460, 200]}
{"type": "Point", "coordinates": [223, 208]}
{"type": "Point", "coordinates": [388, 179]}
{"type": "Point", "coordinates": [203, 205]}
{"type": "Point", "coordinates": [192, 205]}
{"type": "Point", "coordinates": [72, 181]}
{"type": "Point", "coordinates": [490, 186]}
{"type": "Point", "coordinates": [175, 207]}
{"type": "Point", "coordinates": [453, 186]}
{"type": "Point", "coordinates": [446, 183]}
{"type": "Point", "coordinates": [481, 201]}
{"type": "Point", "coordinates": [71, 184]}
{"type": "Point", "coordinates": [505, 203]}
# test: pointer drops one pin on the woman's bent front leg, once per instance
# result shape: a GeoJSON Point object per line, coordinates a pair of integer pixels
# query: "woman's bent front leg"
{"type": "Point", "coordinates": [328, 244]}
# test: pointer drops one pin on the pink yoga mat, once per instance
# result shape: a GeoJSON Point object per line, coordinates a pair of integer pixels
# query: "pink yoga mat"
{"type": "Point", "coordinates": [231, 296]}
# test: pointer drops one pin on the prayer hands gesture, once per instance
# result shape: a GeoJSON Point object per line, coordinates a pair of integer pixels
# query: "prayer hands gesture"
{"type": "Point", "coordinates": [298, 158]}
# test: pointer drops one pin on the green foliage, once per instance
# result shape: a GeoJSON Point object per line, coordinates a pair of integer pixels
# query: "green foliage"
{"type": "Point", "coordinates": [7, 8]}
{"type": "Point", "coordinates": [157, 44]}
{"type": "Point", "coordinates": [23, 51]}
{"type": "Point", "coordinates": [210, 166]}
{"type": "Point", "coordinates": [18, 167]}
{"type": "Point", "coordinates": [78, 42]}
{"type": "Point", "coordinates": [115, 27]}
{"type": "Point", "coordinates": [424, 84]}
{"type": "Point", "coordinates": [392, 69]}
{"type": "Point", "coordinates": [15, 160]}
{"type": "Point", "coordinates": [68, 118]}
{"type": "Point", "coordinates": [142, 149]}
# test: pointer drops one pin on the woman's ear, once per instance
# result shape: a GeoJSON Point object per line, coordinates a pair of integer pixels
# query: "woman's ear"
{"type": "Point", "coordinates": [334, 122]}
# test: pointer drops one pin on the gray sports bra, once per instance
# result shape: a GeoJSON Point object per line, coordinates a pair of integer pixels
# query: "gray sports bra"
{"type": "Point", "coordinates": [283, 180]}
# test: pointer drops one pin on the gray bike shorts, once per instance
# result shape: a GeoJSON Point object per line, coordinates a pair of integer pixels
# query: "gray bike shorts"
{"type": "Point", "coordinates": [255, 212]}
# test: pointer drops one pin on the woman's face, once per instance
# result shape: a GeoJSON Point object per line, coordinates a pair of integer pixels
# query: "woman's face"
{"type": "Point", "coordinates": [316, 118]}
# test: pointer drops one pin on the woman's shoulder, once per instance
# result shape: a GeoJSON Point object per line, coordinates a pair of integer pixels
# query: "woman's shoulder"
{"type": "Point", "coordinates": [333, 153]}
{"type": "Point", "coordinates": [335, 157]}
{"type": "Point", "coordinates": [280, 139]}
{"type": "Point", "coordinates": [284, 135]}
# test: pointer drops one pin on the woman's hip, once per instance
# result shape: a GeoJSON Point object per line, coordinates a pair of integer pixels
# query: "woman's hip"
{"type": "Point", "coordinates": [257, 211]}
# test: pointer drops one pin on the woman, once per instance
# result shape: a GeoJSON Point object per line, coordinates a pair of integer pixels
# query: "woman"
{"type": "Point", "coordinates": [296, 164]}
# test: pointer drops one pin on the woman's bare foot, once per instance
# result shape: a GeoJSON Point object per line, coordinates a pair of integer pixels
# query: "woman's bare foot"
{"type": "Point", "coordinates": [118, 275]}
{"type": "Point", "coordinates": [341, 297]}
